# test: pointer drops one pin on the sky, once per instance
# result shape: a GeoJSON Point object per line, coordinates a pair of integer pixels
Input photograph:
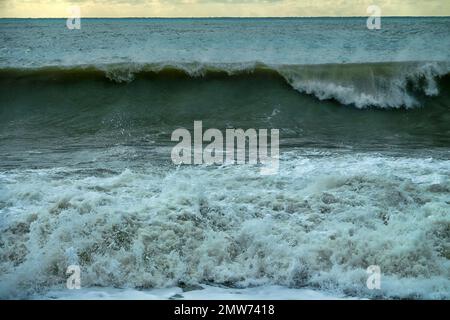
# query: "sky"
{"type": "Point", "coordinates": [220, 8]}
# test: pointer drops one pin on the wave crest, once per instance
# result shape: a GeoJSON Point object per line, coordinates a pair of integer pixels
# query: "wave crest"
{"type": "Point", "coordinates": [379, 85]}
{"type": "Point", "coordinates": [382, 85]}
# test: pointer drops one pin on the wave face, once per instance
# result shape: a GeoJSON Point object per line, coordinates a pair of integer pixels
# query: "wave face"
{"type": "Point", "coordinates": [383, 85]}
{"type": "Point", "coordinates": [391, 106]}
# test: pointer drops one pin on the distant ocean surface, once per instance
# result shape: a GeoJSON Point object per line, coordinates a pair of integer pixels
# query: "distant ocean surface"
{"type": "Point", "coordinates": [86, 177]}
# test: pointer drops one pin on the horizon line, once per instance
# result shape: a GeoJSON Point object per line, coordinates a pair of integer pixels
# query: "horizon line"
{"type": "Point", "coordinates": [230, 17]}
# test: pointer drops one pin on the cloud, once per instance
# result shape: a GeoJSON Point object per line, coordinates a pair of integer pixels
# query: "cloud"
{"type": "Point", "coordinates": [202, 8]}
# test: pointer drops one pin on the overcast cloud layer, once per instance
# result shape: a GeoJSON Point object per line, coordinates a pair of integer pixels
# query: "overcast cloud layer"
{"type": "Point", "coordinates": [214, 8]}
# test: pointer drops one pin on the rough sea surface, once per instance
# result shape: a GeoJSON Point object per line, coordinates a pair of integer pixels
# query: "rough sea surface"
{"type": "Point", "coordinates": [86, 177]}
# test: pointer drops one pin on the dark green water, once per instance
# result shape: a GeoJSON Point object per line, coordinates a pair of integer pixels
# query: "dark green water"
{"type": "Point", "coordinates": [82, 108]}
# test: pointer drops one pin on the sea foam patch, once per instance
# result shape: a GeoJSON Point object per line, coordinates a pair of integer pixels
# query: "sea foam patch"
{"type": "Point", "coordinates": [321, 222]}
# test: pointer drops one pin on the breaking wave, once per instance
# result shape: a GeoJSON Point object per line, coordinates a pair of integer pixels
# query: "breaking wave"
{"type": "Point", "coordinates": [381, 85]}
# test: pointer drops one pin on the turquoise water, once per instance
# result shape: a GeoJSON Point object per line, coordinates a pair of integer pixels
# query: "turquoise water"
{"type": "Point", "coordinates": [41, 42]}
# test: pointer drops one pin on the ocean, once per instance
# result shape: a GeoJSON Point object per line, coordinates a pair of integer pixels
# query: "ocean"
{"type": "Point", "coordinates": [86, 176]}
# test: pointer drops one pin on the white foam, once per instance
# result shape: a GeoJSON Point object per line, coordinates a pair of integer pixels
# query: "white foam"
{"type": "Point", "coordinates": [205, 292]}
{"type": "Point", "coordinates": [319, 223]}
{"type": "Point", "coordinates": [372, 90]}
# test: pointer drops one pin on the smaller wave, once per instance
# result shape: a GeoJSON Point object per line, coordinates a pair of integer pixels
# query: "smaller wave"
{"type": "Point", "coordinates": [382, 85]}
